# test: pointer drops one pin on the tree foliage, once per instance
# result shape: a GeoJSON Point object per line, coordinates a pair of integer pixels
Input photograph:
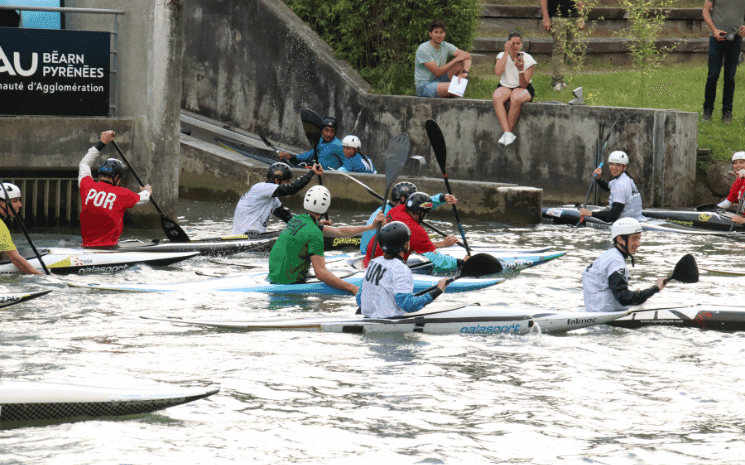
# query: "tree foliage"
{"type": "Point", "coordinates": [379, 38]}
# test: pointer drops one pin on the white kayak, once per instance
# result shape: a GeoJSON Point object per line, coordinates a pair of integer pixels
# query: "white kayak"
{"type": "Point", "coordinates": [7, 300]}
{"type": "Point", "coordinates": [25, 402]}
{"type": "Point", "coordinates": [62, 260]}
{"type": "Point", "coordinates": [257, 282]}
{"type": "Point", "coordinates": [471, 319]}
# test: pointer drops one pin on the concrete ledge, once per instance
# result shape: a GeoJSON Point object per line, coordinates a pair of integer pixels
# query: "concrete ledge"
{"type": "Point", "coordinates": [210, 172]}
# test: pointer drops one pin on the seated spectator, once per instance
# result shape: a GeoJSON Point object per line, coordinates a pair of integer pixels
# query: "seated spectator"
{"type": "Point", "coordinates": [432, 70]}
{"type": "Point", "coordinates": [516, 70]}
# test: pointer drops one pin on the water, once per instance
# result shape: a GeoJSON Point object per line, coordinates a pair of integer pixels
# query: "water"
{"type": "Point", "coordinates": [599, 395]}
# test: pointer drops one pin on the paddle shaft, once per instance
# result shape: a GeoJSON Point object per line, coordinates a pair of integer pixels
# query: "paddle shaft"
{"type": "Point", "coordinates": [134, 173]}
{"type": "Point", "coordinates": [380, 197]}
{"type": "Point", "coordinates": [457, 216]}
{"type": "Point", "coordinates": [739, 211]}
{"type": "Point", "coordinates": [19, 220]}
{"type": "Point", "coordinates": [587, 198]}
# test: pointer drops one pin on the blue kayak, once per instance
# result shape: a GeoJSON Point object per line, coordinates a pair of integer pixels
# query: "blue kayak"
{"type": "Point", "coordinates": [258, 282]}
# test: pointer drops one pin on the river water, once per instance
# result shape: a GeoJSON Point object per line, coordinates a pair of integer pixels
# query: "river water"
{"type": "Point", "coordinates": [599, 395]}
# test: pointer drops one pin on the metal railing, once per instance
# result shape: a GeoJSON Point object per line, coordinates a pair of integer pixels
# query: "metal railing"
{"type": "Point", "coordinates": [53, 201]}
{"type": "Point", "coordinates": [113, 46]}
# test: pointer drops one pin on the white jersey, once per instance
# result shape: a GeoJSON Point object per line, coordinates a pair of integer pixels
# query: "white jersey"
{"type": "Point", "coordinates": [255, 207]}
{"type": "Point", "coordinates": [383, 280]}
{"type": "Point", "coordinates": [623, 190]}
{"type": "Point", "coordinates": [597, 292]}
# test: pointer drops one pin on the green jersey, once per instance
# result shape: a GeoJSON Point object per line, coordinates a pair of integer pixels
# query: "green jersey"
{"type": "Point", "coordinates": [289, 260]}
{"type": "Point", "coordinates": [6, 243]}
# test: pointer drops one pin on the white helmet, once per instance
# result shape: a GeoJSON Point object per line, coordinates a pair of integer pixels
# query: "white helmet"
{"type": "Point", "coordinates": [317, 200]}
{"type": "Point", "coordinates": [738, 156]}
{"type": "Point", "coordinates": [352, 141]}
{"type": "Point", "coordinates": [13, 191]}
{"type": "Point", "coordinates": [624, 227]}
{"type": "Point", "coordinates": [618, 156]}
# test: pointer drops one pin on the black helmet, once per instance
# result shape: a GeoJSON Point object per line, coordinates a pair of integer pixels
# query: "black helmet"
{"type": "Point", "coordinates": [419, 202]}
{"type": "Point", "coordinates": [278, 171]}
{"type": "Point", "coordinates": [402, 189]}
{"type": "Point", "coordinates": [393, 237]}
{"type": "Point", "coordinates": [329, 121]}
{"type": "Point", "coordinates": [112, 167]}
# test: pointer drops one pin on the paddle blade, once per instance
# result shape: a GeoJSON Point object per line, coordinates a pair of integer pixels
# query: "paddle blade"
{"type": "Point", "coordinates": [481, 264]}
{"type": "Point", "coordinates": [707, 207]}
{"type": "Point", "coordinates": [173, 231]}
{"type": "Point", "coordinates": [438, 143]}
{"type": "Point", "coordinates": [686, 270]}
{"type": "Point", "coordinates": [395, 157]}
{"type": "Point", "coordinates": [312, 125]}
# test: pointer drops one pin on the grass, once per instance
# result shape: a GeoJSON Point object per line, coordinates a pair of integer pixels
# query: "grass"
{"type": "Point", "coordinates": [679, 87]}
{"type": "Point", "coordinates": [602, 3]}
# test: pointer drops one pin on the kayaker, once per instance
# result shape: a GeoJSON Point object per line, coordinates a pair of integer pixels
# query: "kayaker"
{"type": "Point", "coordinates": [354, 160]}
{"type": "Point", "coordinates": [330, 152]}
{"type": "Point", "coordinates": [301, 244]}
{"type": "Point", "coordinates": [411, 213]}
{"type": "Point", "coordinates": [399, 194]}
{"type": "Point", "coordinates": [388, 287]}
{"type": "Point", "coordinates": [738, 187]}
{"type": "Point", "coordinates": [262, 201]}
{"type": "Point", "coordinates": [625, 200]}
{"type": "Point", "coordinates": [9, 206]}
{"type": "Point", "coordinates": [104, 202]}
{"type": "Point", "coordinates": [606, 282]}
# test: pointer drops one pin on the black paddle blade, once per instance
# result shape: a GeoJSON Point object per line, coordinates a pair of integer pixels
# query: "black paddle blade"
{"type": "Point", "coordinates": [707, 207]}
{"type": "Point", "coordinates": [395, 157]}
{"type": "Point", "coordinates": [686, 270]}
{"type": "Point", "coordinates": [267, 143]}
{"type": "Point", "coordinates": [312, 125]}
{"type": "Point", "coordinates": [438, 143]}
{"type": "Point", "coordinates": [173, 230]}
{"type": "Point", "coordinates": [481, 264]}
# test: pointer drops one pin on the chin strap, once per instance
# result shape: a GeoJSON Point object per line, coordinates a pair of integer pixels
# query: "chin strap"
{"type": "Point", "coordinates": [624, 249]}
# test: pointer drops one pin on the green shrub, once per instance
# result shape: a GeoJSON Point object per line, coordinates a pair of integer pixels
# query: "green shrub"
{"type": "Point", "coordinates": [379, 38]}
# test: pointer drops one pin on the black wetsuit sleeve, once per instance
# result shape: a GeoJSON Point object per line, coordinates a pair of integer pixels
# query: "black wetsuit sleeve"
{"type": "Point", "coordinates": [603, 184]}
{"type": "Point", "coordinates": [620, 289]}
{"type": "Point", "coordinates": [609, 215]}
{"type": "Point", "coordinates": [283, 213]}
{"type": "Point", "coordinates": [294, 187]}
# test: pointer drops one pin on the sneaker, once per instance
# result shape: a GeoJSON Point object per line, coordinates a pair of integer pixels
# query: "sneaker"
{"type": "Point", "coordinates": [707, 115]}
{"type": "Point", "coordinates": [502, 139]}
{"type": "Point", "coordinates": [559, 87]}
{"type": "Point", "coordinates": [727, 117]}
{"type": "Point", "coordinates": [509, 138]}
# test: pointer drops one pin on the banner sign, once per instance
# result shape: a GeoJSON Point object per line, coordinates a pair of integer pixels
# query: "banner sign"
{"type": "Point", "coordinates": [54, 72]}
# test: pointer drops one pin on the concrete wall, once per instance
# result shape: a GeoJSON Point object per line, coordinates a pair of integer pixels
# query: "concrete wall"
{"type": "Point", "coordinates": [210, 172]}
{"type": "Point", "coordinates": [255, 65]}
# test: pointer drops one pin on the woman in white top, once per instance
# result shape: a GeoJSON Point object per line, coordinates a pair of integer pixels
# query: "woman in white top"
{"type": "Point", "coordinates": [516, 71]}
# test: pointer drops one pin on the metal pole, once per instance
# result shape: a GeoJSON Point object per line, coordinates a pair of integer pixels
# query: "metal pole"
{"type": "Point", "coordinates": [598, 159]}
{"type": "Point", "coordinates": [114, 107]}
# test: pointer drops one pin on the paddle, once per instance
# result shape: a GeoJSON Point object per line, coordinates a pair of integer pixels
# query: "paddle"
{"type": "Point", "coordinates": [276, 151]}
{"type": "Point", "coordinates": [481, 264]}
{"type": "Point", "coordinates": [686, 270]}
{"type": "Point", "coordinates": [19, 220]}
{"type": "Point", "coordinates": [313, 127]}
{"type": "Point", "coordinates": [739, 211]}
{"type": "Point", "coordinates": [395, 158]}
{"type": "Point", "coordinates": [438, 145]}
{"type": "Point", "coordinates": [587, 198]}
{"type": "Point", "coordinates": [171, 228]}
{"type": "Point", "coordinates": [379, 197]}
{"type": "Point", "coordinates": [707, 207]}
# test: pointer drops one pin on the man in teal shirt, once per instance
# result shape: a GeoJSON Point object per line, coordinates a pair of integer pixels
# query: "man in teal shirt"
{"type": "Point", "coordinates": [301, 244]}
{"type": "Point", "coordinates": [433, 66]}
{"type": "Point", "coordinates": [330, 150]}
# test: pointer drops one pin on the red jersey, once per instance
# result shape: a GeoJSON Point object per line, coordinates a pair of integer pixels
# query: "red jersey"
{"type": "Point", "coordinates": [420, 241]}
{"type": "Point", "coordinates": [102, 214]}
{"type": "Point", "coordinates": [738, 188]}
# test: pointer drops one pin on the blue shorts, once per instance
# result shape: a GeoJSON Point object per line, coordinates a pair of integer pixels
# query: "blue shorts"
{"type": "Point", "coordinates": [430, 89]}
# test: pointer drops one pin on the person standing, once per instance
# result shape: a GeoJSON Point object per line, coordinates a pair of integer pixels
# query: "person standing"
{"type": "Point", "coordinates": [605, 283]}
{"type": "Point", "coordinates": [330, 151]}
{"type": "Point", "coordinates": [387, 289]}
{"type": "Point", "coordinates": [436, 63]}
{"type": "Point", "coordinates": [262, 201]}
{"type": "Point", "coordinates": [10, 204]}
{"type": "Point", "coordinates": [104, 202]}
{"type": "Point", "coordinates": [557, 15]}
{"type": "Point", "coordinates": [725, 20]}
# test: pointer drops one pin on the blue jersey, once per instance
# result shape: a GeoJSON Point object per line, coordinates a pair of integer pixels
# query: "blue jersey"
{"type": "Point", "coordinates": [330, 154]}
{"type": "Point", "coordinates": [358, 164]}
